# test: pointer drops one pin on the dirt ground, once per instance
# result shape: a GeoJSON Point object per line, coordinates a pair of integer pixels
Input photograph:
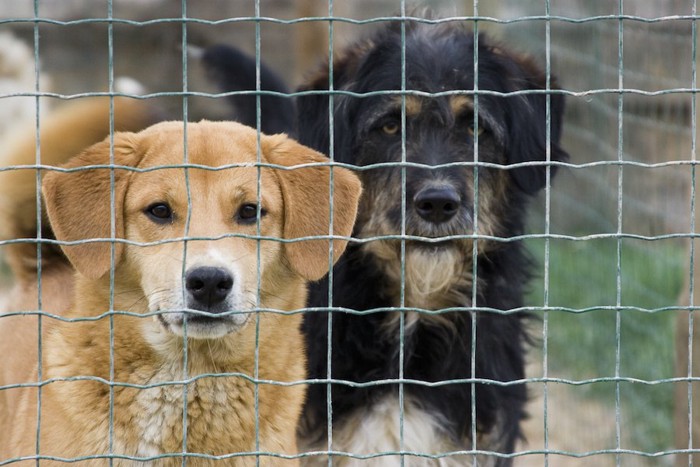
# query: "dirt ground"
{"type": "Point", "coordinates": [575, 425]}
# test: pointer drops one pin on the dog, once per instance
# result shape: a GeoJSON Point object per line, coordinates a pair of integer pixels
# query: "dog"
{"type": "Point", "coordinates": [424, 349]}
{"type": "Point", "coordinates": [225, 66]}
{"type": "Point", "coordinates": [204, 274]}
{"type": "Point", "coordinates": [42, 278]}
{"type": "Point", "coordinates": [18, 75]}
{"type": "Point", "coordinates": [64, 132]}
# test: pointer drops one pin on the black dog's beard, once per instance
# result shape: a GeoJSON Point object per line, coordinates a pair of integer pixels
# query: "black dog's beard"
{"type": "Point", "coordinates": [432, 269]}
{"type": "Point", "coordinates": [431, 274]}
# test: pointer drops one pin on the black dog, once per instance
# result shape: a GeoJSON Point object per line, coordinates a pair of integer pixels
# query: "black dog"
{"type": "Point", "coordinates": [452, 197]}
{"type": "Point", "coordinates": [233, 70]}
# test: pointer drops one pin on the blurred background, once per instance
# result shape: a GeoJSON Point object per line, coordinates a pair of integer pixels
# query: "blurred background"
{"type": "Point", "coordinates": [617, 305]}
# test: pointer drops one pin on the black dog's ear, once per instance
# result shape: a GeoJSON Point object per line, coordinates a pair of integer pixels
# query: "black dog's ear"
{"type": "Point", "coordinates": [527, 128]}
{"type": "Point", "coordinates": [313, 109]}
{"type": "Point", "coordinates": [313, 113]}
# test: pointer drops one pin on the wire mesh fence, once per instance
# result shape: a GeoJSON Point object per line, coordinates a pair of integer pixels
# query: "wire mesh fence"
{"type": "Point", "coordinates": [652, 129]}
{"type": "Point", "coordinates": [613, 376]}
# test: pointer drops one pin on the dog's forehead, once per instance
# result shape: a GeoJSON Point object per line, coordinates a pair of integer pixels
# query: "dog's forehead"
{"type": "Point", "coordinates": [212, 144]}
{"type": "Point", "coordinates": [221, 154]}
{"type": "Point", "coordinates": [434, 58]}
{"type": "Point", "coordinates": [414, 105]}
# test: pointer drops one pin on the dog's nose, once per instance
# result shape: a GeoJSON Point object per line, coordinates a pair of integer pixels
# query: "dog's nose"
{"type": "Point", "coordinates": [437, 205]}
{"type": "Point", "coordinates": [209, 286]}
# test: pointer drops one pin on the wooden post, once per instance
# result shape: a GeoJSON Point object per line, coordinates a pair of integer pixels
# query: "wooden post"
{"type": "Point", "coordinates": [682, 409]}
{"type": "Point", "coordinates": [311, 37]}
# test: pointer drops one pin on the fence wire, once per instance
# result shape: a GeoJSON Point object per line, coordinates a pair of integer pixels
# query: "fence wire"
{"type": "Point", "coordinates": [614, 233]}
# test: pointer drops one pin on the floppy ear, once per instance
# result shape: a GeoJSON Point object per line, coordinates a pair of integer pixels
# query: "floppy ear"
{"type": "Point", "coordinates": [306, 193]}
{"type": "Point", "coordinates": [313, 118]}
{"type": "Point", "coordinates": [78, 204]}
{"type": "Point", "coordinates": [527, 129]}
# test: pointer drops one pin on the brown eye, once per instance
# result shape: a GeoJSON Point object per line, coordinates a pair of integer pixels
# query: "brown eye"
{"type": "Point", "coordinates": [391, 128]}
{"type": "Point", "coordinates": [480, 130]}
{"type": "Point", "coordinates": [248, 213]}
{"type": "Point", "coordinates": [160, 213]}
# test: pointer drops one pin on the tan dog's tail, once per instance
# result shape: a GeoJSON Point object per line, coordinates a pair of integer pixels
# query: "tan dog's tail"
{"type": "Point", "coordinates": [65, 132]}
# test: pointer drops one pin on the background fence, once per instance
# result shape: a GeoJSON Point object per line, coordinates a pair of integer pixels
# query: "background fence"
{"type": "Point", "coordinates": [619, 294]}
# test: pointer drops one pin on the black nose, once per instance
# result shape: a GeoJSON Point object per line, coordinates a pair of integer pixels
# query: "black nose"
{"type": "Point", "coordinates": [437, 205]}
{"type": "Point", "coordinates": [208, 286]}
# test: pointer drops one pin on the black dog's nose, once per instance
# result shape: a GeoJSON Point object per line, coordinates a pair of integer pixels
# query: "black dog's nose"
{"type": "Point", "coordinates": [437, 205]}
{"type": "Point", "coordinates": [209, 286]}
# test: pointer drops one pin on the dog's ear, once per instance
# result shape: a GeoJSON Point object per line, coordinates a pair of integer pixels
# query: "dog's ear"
{"type": "Point", "coordinates": [527, 128]}
{"type": "Point", "coordinates": [307, 204]}
{"type": "Point", "coordinates": [313, 110]}
{"type": "Point", "coordinates": [79, 203]}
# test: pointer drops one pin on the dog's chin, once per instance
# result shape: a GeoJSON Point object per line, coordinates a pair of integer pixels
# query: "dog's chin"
{"type": "Point", "coordinates": [196, 326]}
{"type": "Point", "coordinates": [390, 250]}
{"type": "Point", "coordinates": [437, 247]}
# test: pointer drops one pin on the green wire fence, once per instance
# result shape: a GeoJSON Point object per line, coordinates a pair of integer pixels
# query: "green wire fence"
{"type": "Point", "coordinates": [615, 380]}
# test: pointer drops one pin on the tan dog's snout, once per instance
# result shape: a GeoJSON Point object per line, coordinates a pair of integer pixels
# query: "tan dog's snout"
{"type": "Point", "coordinates": [208, 288]}
{"type": "Point", "coordinates": [212, 302]}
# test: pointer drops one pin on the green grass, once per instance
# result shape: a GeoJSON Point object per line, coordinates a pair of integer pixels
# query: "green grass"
{"type": "Point", "coordinates": [583, 275]}
{"type": "Point", "coordinates": [5, 275]}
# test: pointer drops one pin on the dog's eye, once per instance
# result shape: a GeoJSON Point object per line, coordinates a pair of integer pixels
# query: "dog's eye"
{"type": "Point", "coordinates": [248, 213]}
{"type": "Point", "coordinates": [466, 120]}
{"type": "Point", "coordinates": [480, 130]}
{"type": "Point", "coordinates": [160, 213]}
{"type": "Point", "coordinates": [391, 128]}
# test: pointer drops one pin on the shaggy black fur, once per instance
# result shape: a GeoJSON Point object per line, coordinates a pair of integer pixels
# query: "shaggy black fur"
{"type": "Point", "coordinates": [439, 130]}
{"type": "Point", "coordinates": [235, 71]}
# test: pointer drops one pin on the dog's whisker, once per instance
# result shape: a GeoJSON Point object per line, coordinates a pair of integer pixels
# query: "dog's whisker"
{"type": "Point", "coordinates": [211, 356]}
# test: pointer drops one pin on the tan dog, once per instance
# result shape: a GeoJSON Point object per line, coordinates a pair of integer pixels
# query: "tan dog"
{"type": "Point", "coordinates": [220, 275]}
{"type": "Point", "coordinates": [65, 131]}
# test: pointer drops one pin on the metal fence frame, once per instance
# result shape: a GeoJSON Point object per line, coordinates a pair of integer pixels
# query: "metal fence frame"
{"type": "Point", "coordinates": [477, 20]}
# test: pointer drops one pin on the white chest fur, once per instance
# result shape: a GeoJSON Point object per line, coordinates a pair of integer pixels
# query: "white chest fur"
{"type": "Point", "coordinates": [211, 420]}
{"type": "Point", "coordinates": [377, 429]}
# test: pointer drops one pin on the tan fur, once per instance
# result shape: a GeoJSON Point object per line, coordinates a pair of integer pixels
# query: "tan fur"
{"type": "Point", "coordinates": [459, 104]}
{"type": "Point", "coordinates": [414, 104]}
{"type": "Point", "coordinates": [147, 276]}
{"type": "Point", "coordinates": [65, 132]}
{"type": "Point", "coordinates": [430, 277]}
